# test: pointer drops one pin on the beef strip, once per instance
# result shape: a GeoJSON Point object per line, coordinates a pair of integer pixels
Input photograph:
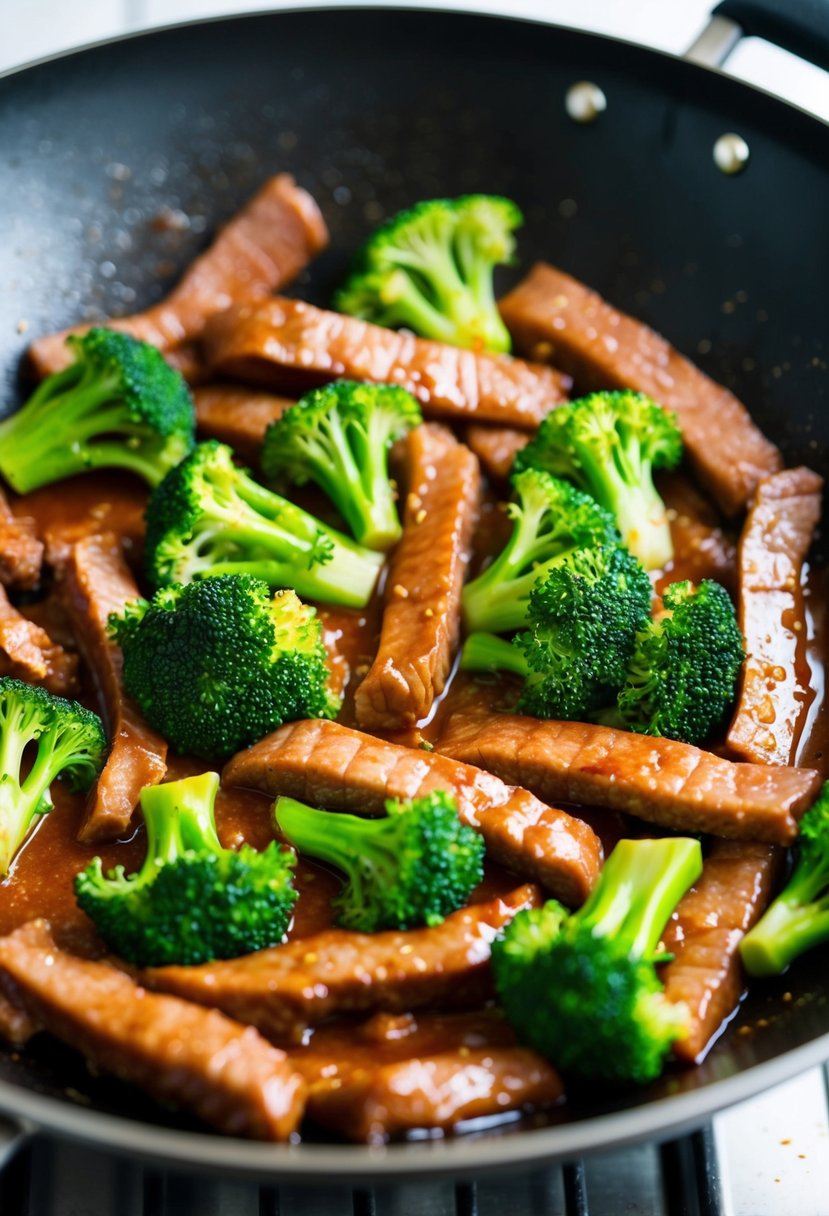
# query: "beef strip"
{"type": "Point", "coordinates": [552, 316]}
{"type": "Point", "coordinates": [291, 346]}
{"type": "Point", "coordinates": [28, 653]}
{"type": "Point", "coordinates": [285, 989]}
{"type": "Point", "coordinates": [179, 1053]}
{"type": "Point", "coordinates": [329, 765]}
{"type": "Point", "coordinates": [16, 1026]}
{"type": "Point", "coordinates": [260, 250]}
{"type": "Point", "coordinates": [705, 932]}
{"type": "Point", "coordinates": [94, 581]}
{"type": "Point", "coordinates": [21, 551]}
{"type": "Point", "coordinates": [237, 416]}
{"type": "Point", "coordinates": [496, 447]}
{"type": "Point", "coordinates": [776, 686]}
{"type": "Point", "coordinates": [673, 784]}
{"type": "Point", "coordinates": [422, 612]}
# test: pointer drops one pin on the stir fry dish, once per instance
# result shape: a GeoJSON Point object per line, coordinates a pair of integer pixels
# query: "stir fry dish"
{"type": "Point", "coordinates": [406, 707]}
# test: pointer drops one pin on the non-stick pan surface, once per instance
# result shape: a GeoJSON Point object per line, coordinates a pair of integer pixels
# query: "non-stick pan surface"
{"type": "Point", "coordinates": [119, 162]}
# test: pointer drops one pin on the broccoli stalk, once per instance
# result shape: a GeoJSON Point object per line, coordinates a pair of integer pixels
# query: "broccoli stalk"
{"type": "Point", "coordinates": [192, 900]}
{"type": "Point", "coordinates": [798, 919]}
{"type": "Point", "coordinates": [609, 444]}
{"type": "Point", "coordinates": [412, 868]}
{"type": "Point", "coordinates": [339, 437]}
{"type": "Point", "coordinates": [582, 989]}
{"type": "Point", "coordinates": [69, 742]}
{"type": "Point", "coordinates": [431, 269]}
{"type": "Point", "coordinates": [552, 521]}
{"type": "Point", "coordinates": [118, 405]}
{"type": "Point", "coordinates": [209, 517]}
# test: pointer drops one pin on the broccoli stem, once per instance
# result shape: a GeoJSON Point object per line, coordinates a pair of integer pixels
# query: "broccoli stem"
{"type": "Point", "coordinates": [486, 652]}
{"type": "Point", "coordinates": [21, 801]}
{"type": "Point", "coordinates": [340, 839]}
{"type": "Point", "coordinates": [792, 925]}
{"type": "Point", "coordinates": [178, 816]}
{"type": "Point", "coordinates": [623, 485]}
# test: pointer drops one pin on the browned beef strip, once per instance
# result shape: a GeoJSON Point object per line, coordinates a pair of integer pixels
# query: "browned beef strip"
{"type": "Point", "coordinates": [21, 551]}
{"type": "Point", "coordinates": [261, 249]}
{"type": "Point", "coordinates": [290, 346]}
{"type": "Point", "coordinates": [177, 1052]}
{"type": "Point", "coordinates": [776, 687]}
{"type": "Point", "coordinates": [329, 765]}
{"type": "Point", "coordinates": [422, 612]}
{"type": "Point", "coordinates": [28, 653]}
{"type": "Point", "coordinates": [672, 784]}
{"type": "Point", "coordinates": [237, 416]}
{"type": "Point", "coordinates": [552, 316]}
{"type": "Point", "coordinates": [705, 934]}
{"type": "Point", "coordinates": [285, 989]}
{"type": "Point", "coordinates": [16, 1026]}
{"type": "Point", "coordinates": [496, 447]}
{"type": "Point", "coordinates": [94, 580]}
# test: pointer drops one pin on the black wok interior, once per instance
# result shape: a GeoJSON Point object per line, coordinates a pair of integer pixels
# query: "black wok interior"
{"type": "Point", "coordinates": [119, 162]}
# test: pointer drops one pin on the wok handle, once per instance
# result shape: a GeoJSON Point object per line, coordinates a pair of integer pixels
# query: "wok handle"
{"type": "Point", "coordinates": [799, 26]}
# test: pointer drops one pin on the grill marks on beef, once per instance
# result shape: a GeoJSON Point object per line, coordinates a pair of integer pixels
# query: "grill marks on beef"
{"type": "Point", "coordinates": [422, 613]}
{"type": "Point", "coordinates": [705, 932]}
{"type": "Point", "coordinates": [291, 346]}
{"type": "Point", "coordinates": [775, 690]}
{"type": "Point", "coordinates": [28, 653]}
{"type": "Point", "coordinates": [260, 250]}
{"type": "Point", "coordinates": [177, 1052]}
{"type": "Point", "coordinates": [237, 416]}
{"type": "Point", "coordinates": [285, 989]}
{"type": "Point", "coordinates": [673, 784]}
{"type": "Point", "coordinates": [553, 316]}
{"type": "Point", "coordinates": [94, 581]}
{"type": "Point", "coordinates": [21, 552]}
{"type": "Point", "coordinates": [329, 765]}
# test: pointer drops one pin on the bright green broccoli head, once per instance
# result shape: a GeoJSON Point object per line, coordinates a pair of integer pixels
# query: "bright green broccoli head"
{"type": "Point", "coordinates": [412, 868]}
{"type": "Point", "coordinates": [609, 444]}
{"type": "Point", "coordinates": [192, 900]}
{"type": "Point", "coordinates": [431, 269]}
{"type": "Point", "coordinates": [60, 738]}
{"type": "Point", "coordinates": [339, 437]}
{"type": "Point", "coordinates": [218, 664]}
{"type": "Point", "coordinates": [118, 405]}
{"type": "Point", "coordinates": [209, 517]}
{"type": "Point", "coordinates": [682, 675]}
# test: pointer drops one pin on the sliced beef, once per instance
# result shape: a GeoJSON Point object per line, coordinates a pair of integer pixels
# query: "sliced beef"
{"type": "Point", "coordinates": [94, 581]}
{"type": "Point", "coordinates": [237, 416]}
{"type": "Point", "coordinates": [21, 552]}
{"type": "Point", "coordinates": [553, 316]}
{"type": "Point", "coordinates": [776, 687]}
{"type": "Point", "coordinates": [422, 611]}
{"type": "Point", "coordinates": [329, 765]}
{"type": "Point", "coordinates": [496, 447]}
{"type": "Point", "coordinates": [178, 1053]}
{"type": "Point", "coordinates": [28, 653]}
{"type": "Point", "coordinates": [285, 989]}
{"type": "Point", "coordinates": [705, 932]}
{"type": "Point", "coordinates": [16, 1026]}
{"type": "Point", "coordinates": [673, 784]}
{"type": "Point", "coordinates": [261, 249]}
{"type": "Point", "coordinates": [291, 346]}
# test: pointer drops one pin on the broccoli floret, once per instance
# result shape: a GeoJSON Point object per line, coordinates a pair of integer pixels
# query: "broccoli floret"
{"type": "Point", "coordinates": [118, 405]}
{"type": "Point", "coordinates": [220, 663]}
{"type": "Point", "coordinates": [412, 868]}
{"type": "Point", "coordinates": [582, 989]}
{"type": "Point", "coordinates": [192, 900]}
{"type": "Point", "coordinates": [609, 444]}
{"type": "Point", "coordinates": [798, 919]}
{"type": "Point", "coordinates": [339, 437]}
{"type": "Point", "coordinates": [209, 517]}
{"type": "Point", "coordinates": [431, 269]}
{"type": "Point", "coordinates": [551, 521]}
{"type": "Point", "coordinates": [58, 739]}
{"type": "Point", "coordinates": [682, 675]}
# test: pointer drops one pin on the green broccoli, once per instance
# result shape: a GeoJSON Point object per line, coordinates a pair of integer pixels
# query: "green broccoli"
{"type": "Point", "coordinates": [552, 521]}
{"type": "Point", "coordinates": [218, 664]}
{"type": "Point", "coordinates": [412, 868]}
{"type": "Point", "coordinates": [339, 437]}
{"type": "Point", "coordinates": [50, 738]}
{"type": "Point", "coordinates": [118, 405]}
{"type": "Point", "coordinates": [582, 988]}
{"type": "Point", "coordinates": [609, 444]}
{"type": "Point", "coordinates": [798, 919]}
{"type": "Point", "coordinates": [192, 900]}
{"type": "Point", "coordinates": [209, 517]}
{"type": "Point", "coordinates": [431, 268]}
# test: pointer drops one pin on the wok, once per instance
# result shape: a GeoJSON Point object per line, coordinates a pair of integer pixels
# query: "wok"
{"type": "Point", "coordinates": [372, 109]}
